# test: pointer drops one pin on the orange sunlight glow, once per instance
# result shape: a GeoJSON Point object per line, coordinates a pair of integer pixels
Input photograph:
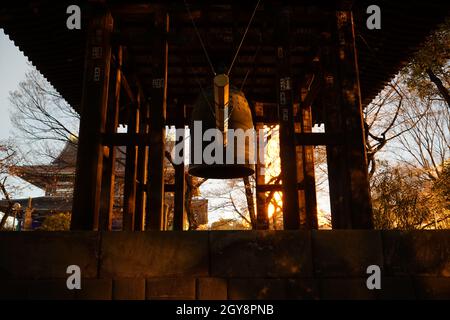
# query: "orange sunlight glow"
{"type": "Point", "coordinates": [273, 169]}
{"type": "Point", "coordinates": [275, 204]}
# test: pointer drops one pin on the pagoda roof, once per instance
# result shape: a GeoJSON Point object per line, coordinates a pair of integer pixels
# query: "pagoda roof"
{"type": "Point", "coordinates": [61, 169]}
{"type": "Point", "coordinates": [68, 156]}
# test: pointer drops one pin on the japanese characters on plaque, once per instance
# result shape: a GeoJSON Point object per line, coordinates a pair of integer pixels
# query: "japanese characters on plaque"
{"type": "Point", "coordinates": [284, 92]}
{"type": "Point", "coordinates": [158, 83]}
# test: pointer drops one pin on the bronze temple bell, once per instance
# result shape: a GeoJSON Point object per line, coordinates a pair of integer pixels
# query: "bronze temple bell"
{"type": "Point", "coordinates": [225, 109]}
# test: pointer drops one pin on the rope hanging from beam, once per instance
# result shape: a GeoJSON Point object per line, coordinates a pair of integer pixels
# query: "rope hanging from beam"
{"type": "Point", "coordinates": [199, 38]}
{"type": "Point", "coordinates": [243, 38]}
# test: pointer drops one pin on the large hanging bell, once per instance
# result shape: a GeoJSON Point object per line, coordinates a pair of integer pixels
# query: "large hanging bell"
{"type": "Point", "coordinates": [234, 129]}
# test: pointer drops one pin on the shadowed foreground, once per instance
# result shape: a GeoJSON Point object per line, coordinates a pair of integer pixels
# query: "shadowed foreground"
{"type": "Point", "coordinates": [226, 265]}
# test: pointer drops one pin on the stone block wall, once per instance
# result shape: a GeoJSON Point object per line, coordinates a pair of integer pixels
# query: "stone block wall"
{"type": "Point", "coordinates": [220, 265]}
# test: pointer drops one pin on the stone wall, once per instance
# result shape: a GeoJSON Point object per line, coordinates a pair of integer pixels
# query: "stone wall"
{"type": "Point", "coordinates": [225, 264]}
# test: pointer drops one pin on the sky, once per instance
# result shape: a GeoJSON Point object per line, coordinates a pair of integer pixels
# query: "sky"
{"type": "Point", "coordinates": [13, 66]}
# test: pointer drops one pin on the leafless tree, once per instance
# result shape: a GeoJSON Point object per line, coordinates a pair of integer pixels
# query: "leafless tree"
{"type": "Point", "coordinates": [41, 116]}
{"type": "Point", "coordinates": [408, 190]}
{"type": "Point", "coordinates": [386, 118]}
{"type": "Point", "coordinates": [8, 157]}
{"type": "Point", "coordinates": [228, 197]}
{"type": "Point", "coordinates": [428, 72]}
{"type": "Point", "coordinates": [425, 146]}
{"type": "Point", "coordinates": [404, 198]}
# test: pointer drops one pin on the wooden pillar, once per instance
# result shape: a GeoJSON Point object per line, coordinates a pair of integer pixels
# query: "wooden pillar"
{"type": "Point", "coordinates": [361, 207]}
{"type": "Point", "coordinates": [86, 199]}
{"type": "Point", "coordinates": [141, 196]}
{"type": "Point", "coordinates": [155, 192]}
{"type": "Point", "coordinates": [291, 217]}
{"type": "Point", "coordinates": [108, 178]}
{"type": "Point", "coordinates": [299, 150]}
{"type": "Point", "coordinates": [262, 217]}
{"type": "Point", "coordinates": [130, 187]}
{"type": "Point", "coordinates": [309, 175]}
{"type": "Point", "coordinates": [339, 203]}
{"type": "Point", "coordinates": [28, 217]}
{"type": "Point", "coordinates": [305, 172]}
{"type": "Point", "coordinates": [306, 161]}
{"type": "Point", "coordinates": [180, 183]}
{"type": "Point", "coordinates": [347, 163]}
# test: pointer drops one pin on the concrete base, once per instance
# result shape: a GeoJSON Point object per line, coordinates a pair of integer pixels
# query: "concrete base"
{"type": "Point", "coordinates": [225, 264]}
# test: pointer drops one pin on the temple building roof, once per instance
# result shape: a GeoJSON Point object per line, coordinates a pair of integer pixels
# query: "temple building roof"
{"type": "Point", "coordinates": [38, 29]}
{"type": "Point", "coordinates": [61, 169]}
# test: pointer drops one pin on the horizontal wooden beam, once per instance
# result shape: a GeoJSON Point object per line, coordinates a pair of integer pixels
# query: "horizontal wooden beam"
{"type": "Point", "coordinates": [134, 9]}
{"type": "Point", "coordinates": [275, 187]}
{"type": "Point", "coordinates": [168, 187]}
{"type": "Point", "coordinates": [269, 187]}
{"type": "Point", "coordinates": [318, 139]}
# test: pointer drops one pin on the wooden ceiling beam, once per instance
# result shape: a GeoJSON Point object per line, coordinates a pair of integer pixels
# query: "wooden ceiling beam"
{"type": "Point", "coordinates": [134, 9]}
